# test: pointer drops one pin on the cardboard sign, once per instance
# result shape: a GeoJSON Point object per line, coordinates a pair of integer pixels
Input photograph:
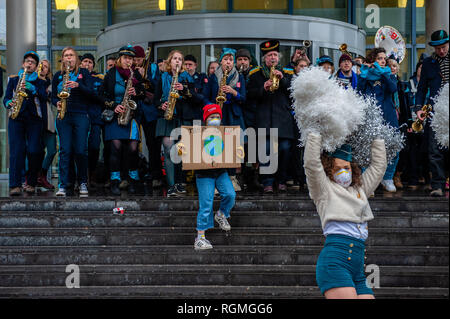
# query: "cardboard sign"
{"type": "Point", "coordinates": [210, 147]}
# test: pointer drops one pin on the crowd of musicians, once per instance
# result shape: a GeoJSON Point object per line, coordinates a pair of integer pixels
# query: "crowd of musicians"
{"type": "Point", "coordinates": [80, 110]}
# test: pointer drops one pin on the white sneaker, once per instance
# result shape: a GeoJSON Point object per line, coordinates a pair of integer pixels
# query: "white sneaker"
{"type": "Point", "coordinates": [61, 192]}
{"type": "Point", "coordinates": [223, 222]}
{"type": "Point", "coordinates": [202, 244]}
{"type": "Point", "coordinates": [83, 189]}
{"type": "Point", "coordinates": [389, 186]}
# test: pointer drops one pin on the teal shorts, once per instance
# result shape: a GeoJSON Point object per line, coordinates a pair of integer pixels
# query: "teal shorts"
{"type": "Point", "coordinates": [341, 264]}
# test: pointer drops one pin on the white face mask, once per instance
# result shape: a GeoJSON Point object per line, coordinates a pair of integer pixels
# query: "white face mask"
{"type": "Point", "coordinates": [343, 178]}
{"type": "Point", "coordinates": [214, 122]}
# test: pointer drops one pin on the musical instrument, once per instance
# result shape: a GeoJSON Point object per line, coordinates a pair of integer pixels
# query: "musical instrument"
{"type": "Point", "coordinates": [39, 70]}
{"type": "Point", "coordinates": [19, 95]}
{"type": "Point", "coordinates": [221, 96]}
{"type": "Point", "coordinates": [304, 46]}
{"type": "Point", "coordinates": [417, 126]}
{"type": "Point", "coordinates": [173, 97]}
{"type": "Point", "coordinates": [64, 94]}
{"type": "Point", "coordinates": [129, 105]}
{"type": "Point", "coordinates": [344, 49]}
{"type": "Point", "coordinates": [392, 41]}
{"type": "Point", "coordinates": [146, 82]}
{"type": "Point", "coordinates": [275, 80]}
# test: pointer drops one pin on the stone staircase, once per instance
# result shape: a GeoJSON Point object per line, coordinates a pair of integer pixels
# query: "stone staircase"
{"type": "Point", "coordinates": [148, 252]}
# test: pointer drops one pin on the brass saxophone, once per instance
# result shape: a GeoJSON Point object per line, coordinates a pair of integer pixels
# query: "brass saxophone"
{"type": "Point", "coordinates": [173, 97]}
{"type": "Point", "coordinates": [221, 96]}
{"type": "Point", "coordinates": [64, 94]}
{"type": "Point", "coordinates": [19, 95]}
{"type": "Point", "coordinates": [129, 105]}
{"type": "Point", "coordinates": [417, 126]}
{"type": "Point", "coordinates": [275, 80]}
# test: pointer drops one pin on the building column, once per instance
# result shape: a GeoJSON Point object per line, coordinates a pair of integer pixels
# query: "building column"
{"type": "Point", "coordinates": [436, 18]}
{"type": "Point", "coordinates": [20, 32]}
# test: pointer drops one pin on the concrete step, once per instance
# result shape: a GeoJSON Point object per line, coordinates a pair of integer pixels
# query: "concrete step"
{"type": "Point", "coordinates": [183, 235]}
{"type": "Point", "coordinates": [303, 219]}
{"type": "Point", "coordinates": [261, 203]}
{"type": "Point", "coordinates": [226, 255]}
{"type": "Point", "coordinates": [208, 292]}
{"type": "Point", "coordinates": [225, 275]}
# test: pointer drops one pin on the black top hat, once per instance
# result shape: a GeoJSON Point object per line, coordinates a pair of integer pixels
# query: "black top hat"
{"type": "Point", "coordinates": [127, 50]}
{"type": "Point", "coordinates": [271, 45]}
{"type": "Point", "coordinates": [439, 37]}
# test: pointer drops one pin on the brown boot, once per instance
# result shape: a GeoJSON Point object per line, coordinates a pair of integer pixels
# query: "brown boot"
{"type": "Point", "coordinates": [15, 191]}
{"type": "Point", "coordinates": [398, 181]}
{"type": "Point", "coordinates": [29, 189]}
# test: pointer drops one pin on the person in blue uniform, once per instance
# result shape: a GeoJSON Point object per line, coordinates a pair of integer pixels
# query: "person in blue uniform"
{"type": "Point", "coordinates": [273, 110]}
{"type": "Point", "coordinates": [376, 79]}
{"type": "Point", "coordinates": [112, 93]}
{"type": "Point", "coordinates": [235, 94]}
{"type": "Point", "coordinates": [193, 110]}
{"type": "Point", "coordinates": [435, 74]}
{"type": "Point", "coordinates": [25, 131]}
{"type": "Point", "coordinates": [149, 118]}
{"type": "Point", "coordinates": [95, 117]}
{"type": "Point", "coordinates": [73, 128]}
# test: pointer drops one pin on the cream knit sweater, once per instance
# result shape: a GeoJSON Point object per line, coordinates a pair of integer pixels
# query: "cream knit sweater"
{"type": "Point", "coordinates": [334, 202]}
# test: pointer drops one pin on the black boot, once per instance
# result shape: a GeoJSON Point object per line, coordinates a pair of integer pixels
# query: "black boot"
{"type": "Point", "coordinates": [132, 186]}
{"type": "Point", "coordinates": [115, 190]}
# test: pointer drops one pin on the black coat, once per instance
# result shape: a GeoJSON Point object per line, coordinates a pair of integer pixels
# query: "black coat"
{"type": "Point", "coordinates": [273, 110]}
{"type": "Point", "coordinates": [430, 79]}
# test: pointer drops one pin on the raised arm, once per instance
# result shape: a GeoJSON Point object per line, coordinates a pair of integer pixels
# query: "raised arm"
{"type": "Point", "coordinates": [373, 175]}
{"type": "Point", "coordinates": [316, 177]}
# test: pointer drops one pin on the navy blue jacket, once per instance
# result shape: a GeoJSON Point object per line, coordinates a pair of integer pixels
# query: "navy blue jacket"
{"type": "Point", "coordinates": [29, 110]}
{"type": "Point", "coordinates": [149, 110]}
{"type": "Point", "coordinates": [1, 82]}
{"type": "Point", "coordinates": [95, 107]}
{"type": "Point", "coordinates": [79, 100]}
{"type": "Point", "coordinates": [194, 110]}
{"type": "Point", "coordinates": [383, 90]}
{"type": "Point", "coordinates": [430, 79]}
{"type": "Point", "coordinates": [233, 105]}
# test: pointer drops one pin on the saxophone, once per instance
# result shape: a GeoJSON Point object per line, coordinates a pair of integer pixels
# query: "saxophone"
{"type": "Point", "coordinates": [221, 96]}
{"type": "Point", "coordinates": [19, 96]}
{"type": "Point", "coordinates": [129, 105]}
{"type": "Point", "coordinates": [275, 80]}
{"type": "Point", "coordinates": [173, 96]}
{"type": "Point", "coordinates": [64, 94]}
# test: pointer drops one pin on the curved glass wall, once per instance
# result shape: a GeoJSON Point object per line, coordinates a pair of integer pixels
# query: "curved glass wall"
{"type": "Point", "coordinates": [260, 6]}
{"type": "Point", "coordinates": [125, 10]}
{"type": "Point", "coordinates": [200, 6]}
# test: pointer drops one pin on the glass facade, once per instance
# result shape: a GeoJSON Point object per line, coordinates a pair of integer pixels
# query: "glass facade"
{"type": "Point", "coordinates": [76, 23]}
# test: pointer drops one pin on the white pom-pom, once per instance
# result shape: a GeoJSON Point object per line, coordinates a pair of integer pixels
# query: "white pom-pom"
{"type": "Point", "coordinates": [440, 119]}
{"type": "Point", "coordinates": [322, 106]}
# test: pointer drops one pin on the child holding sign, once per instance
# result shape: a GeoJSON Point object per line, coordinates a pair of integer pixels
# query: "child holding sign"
{"type": "Point", "coordinates": [207, 182]}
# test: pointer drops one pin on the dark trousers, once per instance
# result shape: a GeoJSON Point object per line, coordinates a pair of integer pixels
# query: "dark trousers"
{"type": "Point", "coordinates": [154, 150]}
{"type": "Point", "coordinates": [284, 149]}
{"type": "Point", "coordinates": [95, 137]}
{"type": "Point", "coordinates": [417, 159]}
{"type": "Point", "coordinates": [73, 133]}
{"type": "Point", "coordinates": [24, 138]}
{"type": "Point", "coordinates": [438, 159]}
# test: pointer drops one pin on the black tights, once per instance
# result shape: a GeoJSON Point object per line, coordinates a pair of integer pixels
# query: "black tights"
{"type": "Point", "coordinates": [132, 155]}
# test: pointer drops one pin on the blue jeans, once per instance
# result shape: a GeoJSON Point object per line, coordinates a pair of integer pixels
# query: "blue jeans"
{"type": "Point", "coordinates": [73, 133]}
{"type": "Point", "coordinates": [49, 142]}
{"type": "Point", "coordinates": [284, 148]}
{"type": "Point", "coordinates": [206, 187]}
{"type": "Point", "coordinates": [390, 170]}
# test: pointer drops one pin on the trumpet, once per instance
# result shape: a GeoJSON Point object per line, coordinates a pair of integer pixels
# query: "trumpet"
{"type": "Point", "coordinates": [344, 49]}
{"type": "Point", "coordinates": [417, 126]}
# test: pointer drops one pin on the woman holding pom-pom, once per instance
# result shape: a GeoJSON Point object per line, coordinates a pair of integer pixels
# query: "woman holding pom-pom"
{"type": "Point", "coordinates": [340, 192]}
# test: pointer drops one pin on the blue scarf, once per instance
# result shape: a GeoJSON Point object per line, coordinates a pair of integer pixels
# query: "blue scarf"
{"type": "Point", "coordinates": [375, 73]}
{"type": "Point", "coordinates": [166, 79]}
{"type": "Point", "coordinates": [30, 77]}
{"type": "Point", "coordinates": [354, 78]}
{"type": "Point", "coordinates": [72, 77]}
